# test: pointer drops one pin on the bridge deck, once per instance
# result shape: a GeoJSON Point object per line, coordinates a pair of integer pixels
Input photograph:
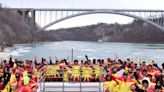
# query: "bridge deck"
{"type": "Point", "coordinates": [85, 9]}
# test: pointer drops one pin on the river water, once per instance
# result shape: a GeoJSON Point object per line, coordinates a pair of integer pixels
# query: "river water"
{"type": "Point", "coordinates": [96, 50]}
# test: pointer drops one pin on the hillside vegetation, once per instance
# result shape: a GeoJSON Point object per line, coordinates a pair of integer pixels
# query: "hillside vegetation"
{"type": "Point", "coordinates": [137, 31]}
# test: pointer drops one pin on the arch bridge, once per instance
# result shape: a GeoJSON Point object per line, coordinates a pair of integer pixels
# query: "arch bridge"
{"type": "Point", "coordinates": [44, 18]}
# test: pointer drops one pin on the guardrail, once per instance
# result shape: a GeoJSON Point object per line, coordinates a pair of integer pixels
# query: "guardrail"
{"type": "Point", "coordinates": [48, 71]}
{"type": "Point", "coordinates": [41, 80]}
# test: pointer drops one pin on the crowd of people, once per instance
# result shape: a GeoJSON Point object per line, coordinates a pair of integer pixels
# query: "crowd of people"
{"type": "Point", "coordinates": [115, 75]}
{"type": "Point", "coordinates": [18, 76]}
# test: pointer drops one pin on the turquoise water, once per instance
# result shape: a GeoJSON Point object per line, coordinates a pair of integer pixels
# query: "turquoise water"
{"type": "Point", "coordinates": [96, 50]}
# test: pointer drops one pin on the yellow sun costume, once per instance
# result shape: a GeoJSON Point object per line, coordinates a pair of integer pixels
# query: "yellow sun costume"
{"type": "Point", "coordinates": [65, 76]}
{"type": "Point", "coordinates": [109, 85]}
{"type": "Point", "coordinates": [75, 72]}
{"type": "Point", "coordinates": [55, 70]}
{"type": "Point", "coordinates": [49, 71]}
{"type": "Point", "coordinates": [97, 70]}
{"type": "Point", "coordinates": [86, 73]}
{"type": "Point", "coordinates": [123, 86]}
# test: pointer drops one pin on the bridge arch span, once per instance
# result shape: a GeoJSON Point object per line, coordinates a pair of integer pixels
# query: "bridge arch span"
{"type": "Point", "coordinates": [102, 11]}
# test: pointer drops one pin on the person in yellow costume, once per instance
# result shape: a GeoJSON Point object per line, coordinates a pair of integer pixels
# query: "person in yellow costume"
{"type": "Point", "coordinates": [75, 71]}
{"type": "Point", "coordinates": [86, 72]}
{"type": "Point", "coordinates": [12, 82]}
{"type": "Point", "coordinates": [152, 71]}
{"type": "Point", "coordinates": [97, 70]}
{"type": "Point", "coordinates": [124, 84]}
{"type": "Point", "coordinates": [65, 75]}
{"type": "Point", "coordinates": [1, 70]}
{"type": "Point", "coordinates": [109, 85]}
{"type": "Point", "coordinates": [15, 81]}
{"type": "Point", "coordinates": [49, 71]}
{"type": "Point", "coordinates": [55, 71]}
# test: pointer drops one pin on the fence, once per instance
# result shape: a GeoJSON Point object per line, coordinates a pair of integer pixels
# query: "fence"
{"type": "Point", "coordinates": [51, 73]}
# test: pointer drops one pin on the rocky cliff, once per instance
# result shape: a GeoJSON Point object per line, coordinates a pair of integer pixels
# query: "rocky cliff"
{"type": "Point", "coordinates": [13, 29]}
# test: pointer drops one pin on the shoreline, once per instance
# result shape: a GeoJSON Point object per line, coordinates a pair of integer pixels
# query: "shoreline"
{"type": "Point", "coordinates": [11, 45]}
{"type": "Point", "coordinates": [5, 45]}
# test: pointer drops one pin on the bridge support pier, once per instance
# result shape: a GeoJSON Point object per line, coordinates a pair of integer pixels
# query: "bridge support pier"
{"type": "Point", "coordinates": [33, 22]}
{"type": "Point", "coordinates": [28, 16]}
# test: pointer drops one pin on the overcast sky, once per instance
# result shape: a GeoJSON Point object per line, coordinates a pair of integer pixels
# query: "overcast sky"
{"type": "Point", "coordinates": [88, 19]}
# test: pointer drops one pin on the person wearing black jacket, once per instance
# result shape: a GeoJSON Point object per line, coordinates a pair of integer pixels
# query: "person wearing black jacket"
{"type": "Point", "coordinates": [11, 62]}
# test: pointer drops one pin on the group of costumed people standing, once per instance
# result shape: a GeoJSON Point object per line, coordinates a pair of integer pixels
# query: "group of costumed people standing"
{"type": "Point", "coordinates": [115, 75]}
